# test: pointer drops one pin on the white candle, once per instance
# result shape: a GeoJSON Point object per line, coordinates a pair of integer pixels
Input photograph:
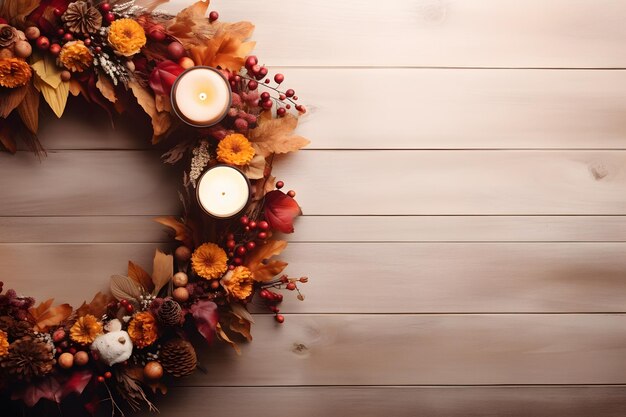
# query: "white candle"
{"type": "Point", "coordinates": [223, 191]}
{"type": "Point", "coordinates": [201, 96]}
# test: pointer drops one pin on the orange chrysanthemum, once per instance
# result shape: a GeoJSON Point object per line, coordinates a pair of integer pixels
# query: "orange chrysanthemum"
{"type": "Point", "coordinates": [4, 343]}
{"type": "Point", "coordinates": [75, 56]}
{"type": "Point", "coordinates": [142, 329]}
{"type": "Point", "coordinates": [235, 149]}
{"type": "Point", "coordinates": [85, 330]}
{"type": "Point", "coordinates": [239, 283]}
{"type": "Point", "coordinates": [14, 72]}
{"type": "Point", "coordinates": [126, 36]}
{"type": "Point", "coordinates": [209, 261]}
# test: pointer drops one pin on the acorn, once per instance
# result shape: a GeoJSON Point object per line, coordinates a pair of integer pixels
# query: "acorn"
{"type": "Point", "coordinates": [180, 279]}
{"type": "Point", "coordinates": [66, 360]}
{"type": "Point", "coordinates": [153, 370]}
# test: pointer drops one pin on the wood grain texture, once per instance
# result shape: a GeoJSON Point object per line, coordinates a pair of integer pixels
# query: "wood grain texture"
{"type": "Point", "coordinates": [474, 33]}
{"type": "Point", "coordinates": [462, 109]}
{"type": "Point", "coordinates": [143, 229]}
{"type": "Point", "coordinates": [376, 277]}
{"type": "Point", "coordinates": [423, 350]}
{"type": "Point", "coordinates": [335, 183]}
{"type": "Point", "coordinates": [511, 401]}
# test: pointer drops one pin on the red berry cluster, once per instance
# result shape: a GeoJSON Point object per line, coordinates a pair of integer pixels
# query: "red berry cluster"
{"type": "Point", "coordinates": [272, 299]}
{"type": "Point", "coordinates": [253, 232]}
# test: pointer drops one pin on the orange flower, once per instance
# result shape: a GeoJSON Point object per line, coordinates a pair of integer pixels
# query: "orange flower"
{"type": "Point", "coordinates": [85, 330]}
{"type": "Point", "coordinates": [14, 72]}
{"type": "Point", "coordinates": [209, 261]}
{"type": "Point", "coordinates": [126, 36]}
{"type": "Point", "coordinates": [239, 283]}
{"type": "Point", "coordinates": [75, 56]}
{"type": "Point", "coordinates": [142, 329]}
{"type": "Point", "coordinates": [4, 343]}
{"type": "Point", "coordinates": [235, 149]}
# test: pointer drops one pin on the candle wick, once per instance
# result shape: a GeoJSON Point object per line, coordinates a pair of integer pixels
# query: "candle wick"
{"type": "Point", "coordinates": [223, 193]}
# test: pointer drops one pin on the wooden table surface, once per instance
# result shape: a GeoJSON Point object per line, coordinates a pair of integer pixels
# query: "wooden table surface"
{"type": "Point", "coordinates": [465, 213]}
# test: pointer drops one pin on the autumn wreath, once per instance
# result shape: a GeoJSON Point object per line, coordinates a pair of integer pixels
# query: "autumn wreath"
{"type": "Point", "coordinates": [120, 348]}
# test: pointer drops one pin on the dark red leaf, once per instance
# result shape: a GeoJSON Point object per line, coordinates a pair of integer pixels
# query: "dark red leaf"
{"type": "Point", "coordinates": [205, 314]}
{"type": "Point", "coordinates": [48, 388]}
{"type": "Point", "coordinates": [163, 77]}
{"type": "Point", "coordinates": [280, 210]}
{"type": "Point", "coordinates": [43, 16]}
{"type": "Point", "coordinates": [76, 383]}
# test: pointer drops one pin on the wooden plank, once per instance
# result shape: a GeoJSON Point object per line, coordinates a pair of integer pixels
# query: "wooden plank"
{"type": "Point", "coordinates": [471, 33]}
{"type": "Point", "coordinates": [372, 278]}
{"type": "Point", "coordinates": [510, 401]}
{"type": "Point", "coordinates": [143, 229]}
{"type": "Point", "coordinates": [423, 350]}
{"type": "Point", "coordinates": [449, 109]}
{"type": "Point", "coordinates": [334, 183]}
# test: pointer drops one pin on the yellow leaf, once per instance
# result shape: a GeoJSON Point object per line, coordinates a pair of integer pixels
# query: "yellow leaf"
{"type": "Point", "coordinates": [161, 121]}
{"type": "Point", "coordinates": [46, 69]}
{"type": "Point", "coordinates": [55, 97]}
{"type": "Point", "coordinates": [276, 136]}
{"type": "Point", "coordinates": [45, 316]}
{"type": "Point", "coordinates": [260, 263]}
{"type": "Point", "coordinates": [106, 87]}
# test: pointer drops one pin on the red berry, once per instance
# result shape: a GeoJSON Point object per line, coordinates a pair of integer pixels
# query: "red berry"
{"type": "Point", "coordinates": [230, 236]}
{"type": "Point", "coordinates": [256, 68]}
{"type": "Point", "coordinates": [55, 49]}
{"type": "Point", "coordinates": [68, 37]}
{"type": "Point", "coordinates": [230, 244]}
{"type": "Point", "coordinates": [60, 32]}
{"type": "Point", "coordinates": [87, 41]}
{"type": "Point", "coordinates": [280, 184]}
{"type": "Point", "coordinates": [252, 224]}
{"type": "Point", "coordinates": [295, 97]}
{"type": "Point", "coordinates": [241, 250]}
{"type": "Point", "coordinates": [282, 96]}
{"type": "Point", "coordinates": [263, 225]}
{"type": "Point", "coordinates": [251, 61]}
{"type": "Point", "coordinates": [105, 7]}
{"type": "Point", "coordinates": [247, 228]}
{"type": "Point", "coordinates": [129, 308]}
{"type": "Point", "coordinates": [281, 112]}
{"type": "Point", "coordinates": [291, 193]}
{"type": "Point", "coordinates": [176, 50]}
{"type": "Point", "coordinates": [265, 96]}
{"type": "Point", "coordinates": [252, 85]}
{"type": "Point", "coordinates": [291, 286]}
{"type": "Point", "coordinates": [43, 43]}
{"type": "Point", "coordinates": [237, 261]}
{"type": "Point", "coordinates": [250, 245]}
{"type": "Point", "coordinates": [290, 93]}
{"type": "Point", "coordinates": [110, 17]}
{"type": "Point", "coordinates": [241, 125]}
{"type": "Point", "coordinates": [264, 294]}
{"type": "Point", "coordinates": [98, 49]}
{"type": "Point", "coordinates": [301, 108]}
{"type": "Point", "coordinates": [279, 298]}
{"type": "Point", "coordinates": [279, 78]}
{"type": "Point", "coordinates": [213, 16]}
{"type": "Point", "coordinates": [262, 235]}
{"type": "Point", "coordinates": [108, 375]}
{"type": "Point", "coordinates": [231, 267]}
{"type": "Point", "coordinates": [267, 104]}
{"type": "Point", "coordinates": [288, 106]}
{"type": "Point", "coordinates": [58, 12]}
{"type": "Point", "coordinates": [280, 318]}
{"type": "Point", "coordinates": [244, 219]}
{"type": "Point", "coordinates": [273, 309]}
{"type": "Point", "coordinates": [263, 72]}
{"type": "Point", "coordinates": [59, 350]}
{"type": "Point", "coordinates": [267, 81]}
{"type": "Point", "coordinates": [72, 350]}
{"type": "Point", "coordinates": [100, 379]}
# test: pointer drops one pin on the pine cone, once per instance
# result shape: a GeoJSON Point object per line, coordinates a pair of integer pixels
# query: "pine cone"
{"type": "Point", "coordinates": [80, 17]}
{"type": "Point", "coordinates": [28, 358]}
{"type": "Point", "coordinates": [178, 357]}
{"type": "Point", "coordinates": [169, 313]}
{"type": "Point", "coordinates": [16, 329]}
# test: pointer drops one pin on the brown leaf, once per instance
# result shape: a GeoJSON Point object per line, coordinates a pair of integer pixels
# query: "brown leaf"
{"type": "Point", "coordinates": [225, 50]}
{"type": "Point", "coordinates": [10, 98]}
{"type": "Point", "coordinates": [140, 276]}
{"type": "Point", "coordinates": [265, 271]}
{"type": "Point", "coordinates": [97, 307]}
{"type": "Point", "coordinates": [241, 321]}
{"type": "Point", "coordinates": [181, 231]}
{"type": "Point", "coordinates": [190, 25]}
{"type": "Point", "coordinates": [262, 187]}
{"type": "Point", "coordinates": [276, 136]}
{"type": "Point", "coordinates": [44, 315]}
{"type": "Point", "coordinates": [106, 87]}
{"type": "Point", "coordinates": [221, 335]}
{"type": "Point", "coordinates": [255, 169]}
{"type": "Point", "coordinates": [125, 288]}
{"type": "Point", "coordinates": [162, 271]}
{"type": "Point", "coordinates": [29, 109]}
{"type": "Point", "coordinates": [161, 121]}
{"type": "Point", "coordinates": [6, 136]}
{"type": "Point", "coordinates": [17, 10]}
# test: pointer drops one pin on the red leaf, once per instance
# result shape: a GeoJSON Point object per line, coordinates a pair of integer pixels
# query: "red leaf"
{"type": "Point", "coordinates": [280, 210]}
{"type": "Point", "coordinates": [76, 383]}
{"type": "Point", "coordinates": [48, 388]}
{"type": "Point", "coordinates": [163, 77]}
{"type": "Point", "coordinates": [205, 314]}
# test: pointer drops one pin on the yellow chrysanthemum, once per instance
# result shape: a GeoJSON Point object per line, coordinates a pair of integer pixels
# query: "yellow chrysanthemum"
{"type": "Point", "coordinates": [209, 261]}
{"type": "Point", "coordinates": [85, 330]}
{"type": "Point", "coordinates": [75, 56]}
{"type": "Point", "coordinates": [142, 329]}
{"type": "Point", "coordinates": [239, 283]}
{"type": "Point", "coordinates": [126, 36]}
{"type": "Point", "coordinates": [14, 72]}
{"type": "Point", "coordinates": [235, 149]}
{"type": "Point", "coordinates": [4, 343]}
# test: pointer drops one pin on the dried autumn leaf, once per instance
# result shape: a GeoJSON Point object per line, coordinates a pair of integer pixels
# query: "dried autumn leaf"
{"type": "Point", "coordinates": [6, 137]}
{"type": "Point", "coordinates": [206, 317]}
{"type": "Point", "coordinates": [17, 10]}
{"type": "Point", "coordinates": [221, 335]}
{"type": "Point", "coordinates": [255, 169]}
{"type": "Point", "coordinates": [241, 321]}
{"type": "Point", "coordinates": [106, 87]}
{"type": "Point", "coordinates": [276, 136]}
{"type": "Point", "coordinates": [163, 76]}
{"type": "Point", "coordinates": [140, 276]}
{"type": "Point", "coordinates": [190, 25]}
{"type": "Point", "coordinates": [55, 97]}
{"type": "Point", "coordinates": [281, 210]}
{"type": "Point", "coordinates": [182, 233]}
{"type": "Point", "coordinates": [162, 270]}
{"type": "Point", "coordinates": [161, 121]}
{"type": "Point", "coordinates": [44, 315]}
{"type": "Point", "coordinates": [10, 98]}
{"type": "Point", "coordinates": [29, 109]}
{"type": "Point", "coordinates": [260, 263]}
{"type": "Point", "coordinates": [96, 307]}
{"type": "Point", "coordinates": [48, 388]}
{"type": "Point", "coordinates": [125, 288]}
{"type": "Point", "coordinates": [262, 187]}
{"type": "Point", "coordinates": [46, 68]}
{"type": "Point", "coordinates": [224, 50]}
